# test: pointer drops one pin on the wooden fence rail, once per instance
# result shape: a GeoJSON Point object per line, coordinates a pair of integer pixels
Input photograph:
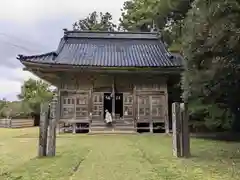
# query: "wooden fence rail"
{"type": "Point", "coordinates": [16, 123]}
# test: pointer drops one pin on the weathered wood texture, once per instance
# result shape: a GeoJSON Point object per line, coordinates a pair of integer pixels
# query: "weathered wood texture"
{"type": "Point", "coordinates": [16, 123]}
{"type": "Point", "coordinates": [176, 128]}
{"type": "Point", "coordinates": [185, 130]}
{"type": "Point", "coordinates": [144, 97]}
{"type": "Point", "coordinates": [51, 148]}
{"type": "Point", "coordinates": [42, 149]}
{"type": "Point", "coordinates": [5, 123]}
{"type": "Point", "coordinates": [181, 140]}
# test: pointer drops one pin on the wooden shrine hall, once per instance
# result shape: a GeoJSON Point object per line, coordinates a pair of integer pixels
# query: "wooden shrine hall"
{"type": "Point", "coordinates": [126, 73]}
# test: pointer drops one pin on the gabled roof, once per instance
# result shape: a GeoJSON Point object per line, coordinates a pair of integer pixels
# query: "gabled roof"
{"type": "Point", "coordinates": [107, 49]}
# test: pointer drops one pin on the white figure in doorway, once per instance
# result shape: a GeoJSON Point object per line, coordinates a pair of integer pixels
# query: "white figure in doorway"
{"type": "Point", "coordinates": [108, 117]}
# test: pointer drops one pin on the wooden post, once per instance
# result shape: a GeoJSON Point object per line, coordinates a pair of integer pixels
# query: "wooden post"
{"type": "Point", "coordinates": [151, 126]}
{"type": "Point", "coordinates": [185, 131]}
{"type": "Point", "coordinates": [74, 128]}
{"type": "Point", "coordinates": [43, 130]}
{"type": "Point", "coordinates": [51, 148]}
{"type": "Point", "coordinates": [58, 110]}
{"type": "Point", "coordinates": [176, 128]}
{"type": "Point", "coordinates": [167, 128]}
{"type": "Point", "coordinates": [134, 105]}
{"type": "Point", "coordinates": [113, 98]}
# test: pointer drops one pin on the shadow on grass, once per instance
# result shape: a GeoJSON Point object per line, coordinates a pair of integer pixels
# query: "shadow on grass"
{"type": "Point", "coordinates": [223, 136]}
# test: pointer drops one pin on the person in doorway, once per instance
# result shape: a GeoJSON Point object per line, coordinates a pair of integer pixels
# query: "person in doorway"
{"type": "Point", "coordinates": [108, 117]}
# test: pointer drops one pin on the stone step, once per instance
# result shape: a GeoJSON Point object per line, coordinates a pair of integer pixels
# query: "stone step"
{"type": "Point", "coordinates": [124, 128]}
{"type": "Point", "coordinates": [98, 123]}
{"type": "Point", "coordinates": [114, 122]}
{"type": "Point", "coordinates": [101, 129]}
{"type": "Point", "coordinates": [113, 127]}
{"type": "Point", "coordinates": [123, 123]}
{"type": "Point", "coordinates": [112, 132]}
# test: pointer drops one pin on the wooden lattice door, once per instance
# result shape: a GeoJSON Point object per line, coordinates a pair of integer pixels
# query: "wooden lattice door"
{"type": "Point", "coordinates": [143, 108]}
{"type": "Point", "coordinates": [81, 106]}
{"type": "Point", "coordinates": [97, 105]}
{"type": "Point", "coordinates": [128, 105]}
{"type": "Point", "coordinates": [157, 108]}
{"type": "Point", "coordinates": [68, 107]}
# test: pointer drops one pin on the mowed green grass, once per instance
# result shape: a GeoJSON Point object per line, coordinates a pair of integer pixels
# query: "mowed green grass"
{"type": "Point", "coordinates": [115, 157]}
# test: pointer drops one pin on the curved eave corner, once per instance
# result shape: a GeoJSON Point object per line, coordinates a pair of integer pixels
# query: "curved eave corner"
{"type": "Point", "coordinates": [37, 59]}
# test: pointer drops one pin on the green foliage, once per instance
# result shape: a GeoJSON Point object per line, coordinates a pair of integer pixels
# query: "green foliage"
{"type": "Point", "coordinates": [207, 33]}
{"type": "Point", "coordinates": [211, 49]}
{"type": "Point", "coordinates": [15, 109]}
{"type": "Point", "coordinates": [147, 15]}
{"type": "Point", "coordinates": [33, 93]}
{"type": "Point", "coordinates": [96, 22]}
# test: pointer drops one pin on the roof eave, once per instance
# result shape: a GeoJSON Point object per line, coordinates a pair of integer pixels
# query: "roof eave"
{"type": "Point", "coordinates": [67, 67]}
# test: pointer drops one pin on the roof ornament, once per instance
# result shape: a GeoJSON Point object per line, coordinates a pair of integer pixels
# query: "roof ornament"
{"type": "Point", "coordinates": [65, 30]}
{"type": "Point", "coordinates": [20, 56]}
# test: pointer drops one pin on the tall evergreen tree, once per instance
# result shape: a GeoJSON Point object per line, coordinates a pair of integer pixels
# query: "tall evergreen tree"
{"type": "Point", "coordinates": [211, 80]}
{"type": "Point", "coordinates": [96, 22]}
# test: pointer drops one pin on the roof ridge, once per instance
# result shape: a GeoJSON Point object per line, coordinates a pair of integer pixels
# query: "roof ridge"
{"type": "Point", "coordinates": [107, 32]}
{"type": "Point", "coordinates": [110, 34]}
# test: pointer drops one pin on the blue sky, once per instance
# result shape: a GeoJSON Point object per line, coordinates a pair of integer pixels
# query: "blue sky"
{"type": "Point", "coordinates": [35, 26]}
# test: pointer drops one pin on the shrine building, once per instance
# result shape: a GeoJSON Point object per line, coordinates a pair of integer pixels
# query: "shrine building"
{"type": "Point", "coordinates": [127, 73]}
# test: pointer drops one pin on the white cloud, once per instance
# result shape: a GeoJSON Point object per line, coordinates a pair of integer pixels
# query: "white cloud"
{"type": "Point", "coordinates": [29, 26]}
{"type": "Point", "coordinates": [32, 10]}
{"type": "Point", "coordinates": [11, 81]}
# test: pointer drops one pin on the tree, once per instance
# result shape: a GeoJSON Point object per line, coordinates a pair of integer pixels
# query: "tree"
{"type": "Point", "coordinates": [35, 92]}
{"type": "Point", "coordinates": [15, 109]}
{"type": "Point", "coordinates": [96, 22]}
{"type": "Point", "coordinates": [211, 80]}
{"type": "Point", "coordinates": [145, 15]}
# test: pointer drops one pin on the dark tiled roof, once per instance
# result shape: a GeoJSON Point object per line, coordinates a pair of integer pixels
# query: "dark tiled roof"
{"type": "Point", "coordinates": [108, 50]}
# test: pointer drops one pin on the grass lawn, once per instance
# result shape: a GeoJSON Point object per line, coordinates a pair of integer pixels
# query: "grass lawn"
{"type": "Point", "coordinates": [115, 157]}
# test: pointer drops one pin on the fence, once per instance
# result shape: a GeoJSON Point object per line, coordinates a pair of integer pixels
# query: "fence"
{"type": "Point", "coordinates": [16, 123]}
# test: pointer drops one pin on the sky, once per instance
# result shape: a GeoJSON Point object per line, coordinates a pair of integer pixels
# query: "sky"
{"type": "Point", "coordinates": [35, 26]}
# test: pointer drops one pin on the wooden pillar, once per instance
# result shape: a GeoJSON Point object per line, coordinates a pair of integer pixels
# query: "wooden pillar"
{"type": "Point", "coordinates": [42, 149]}
{"type": "Point", "coordinates": [185, 131]}
{"type": "Point", "coordinates": [176, 128]}
{"type": "Point", "coordinates": [134, 107]}
{"type": "Point", "coordinates": [113, 98]}
{"type": "Point", "coordinates": [150, 117]}
{"type": "Point", "coordinates": [51, 148]}
{"type": "Point", "coordinates": [74, 128]}
{"type": "Point", "coordinates": [167, 128]}
{"type": "Point", "coordinates": [58, 110]}
{"type": "Point", "coordinates": [151, 126]}
{"type": "Point", "coordinates": [90, 104]}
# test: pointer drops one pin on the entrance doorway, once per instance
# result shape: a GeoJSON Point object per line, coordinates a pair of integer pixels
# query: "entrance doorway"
{"type": "Point", "coordinates": [107, 103]}
{"type": "Point", "coordinates": [119, 104]}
